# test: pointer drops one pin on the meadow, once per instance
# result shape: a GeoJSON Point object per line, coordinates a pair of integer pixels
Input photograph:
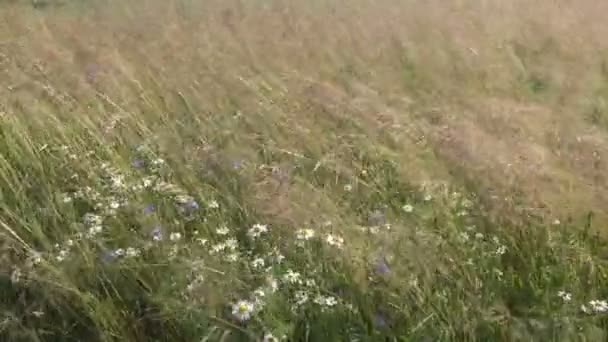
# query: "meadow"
{"type": "Point", "coordinates": [229, 170]}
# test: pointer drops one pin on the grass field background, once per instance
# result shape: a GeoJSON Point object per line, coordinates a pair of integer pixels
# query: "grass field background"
{"type": "Point", "coordinates": [303, 170]}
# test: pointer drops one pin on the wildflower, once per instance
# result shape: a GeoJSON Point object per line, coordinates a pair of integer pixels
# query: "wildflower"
{"type": "Point", "coordinates": [232, 243]}
{"type": "Point", "coordinates": [478, 236]}
{"type": "Point", "coordinates": [268, 337]}
{"type": "Point", "coordinates": [94, 230]}
{"type": "Point", "coordinates": [499, 273]}
{"type": "Point", "coordinates": [259, 293]}
{"type": "Point", "coordinates": [334, 240]}
{"type": "Point", "coordinates": [36, 258]}
{"type": "Point", "coordinates": [218, 248]}
{"type": "Point", "coordinates": [408, 208]}
{"type": "Point", "coordinates": [157, 233]}
{"type": "Point", "coordinates": [213, 205]}
{"type": "Point", "coordinates": [301, 297]}
{"type": "Point", "coordinates": [381, 267]}
{"type": "Point", "coordinates": [38, 313]}
{"type": "Point", "coordinates": [373, 230]}
{"type": "Point", "coordinates": [463, 236]}
{"type": "Point", "coordinates": [117, 181]}
{"type": "Point", "coordinates": [187, 202]}
{"type": "Point", "coordinates": [272, 283]}
{"type": "Point", "coordinates": [305, 234]}
{"type": "Point", "coordinates": [222, 230]}
{"type": "Point", "coordinates": [376, 217]}
{"type": "Point", "coordinates": [69, 242]}
{"type": "Point", "coordinates": [232, 257]}
{"type": "Point", "coordinates": [310, 283]}
{"type": "Point", "coordinates": [258, 263]}
{"type": "Point", "coordinates": [257, 230]}
{"type": "Point", "coordinates": [348, 188]}
{"type": "Point", "coordinates": [501, 250]}
{"type": "Point", "coordinates": [379, 320]}
{"type": "Point", "coordinates": [599, 306]}
{"type": "Point", "coordinates": [242, 310]}
{"type": "Point", "coordinates": [158, 162]}
{"type": "Point", "coordinates": [66, 198]}
{"type": "Point", "coordinates": [292, 277]}
{"type": "Point", "coordinates": [462, 213]}
{"type": "Point", "coordinates": [92, 219]}
{"type": "Point", "coordinates": [132, 252]}
{"type": "Point", "coordinates": [148, 181]}
{"type": "Point", "coordinates": [175, 236]}
{"type": "Point", "coordinates": [149, 208]}
{"type": "Point", "coordinates": [173, 252]}
{"type": "Point", "coordinates": [565, 296]}
{"type": "Point", "coordinates": [16, 276]}
{"type": "Point", "coordinates": [328, 301]}
{"type": "Point", "coordinates": [279, 257]}
{"type": "Point", "coordinates": [137, 163]}
{"type": "Point", "coordinates": [202, 241]}
{"type": "Point", "coordinates": [428, 197]}
{"type": "Point", "coordinates": [114, 205]}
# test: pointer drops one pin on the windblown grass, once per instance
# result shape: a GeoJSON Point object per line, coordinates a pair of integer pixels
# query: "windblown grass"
{"type": "Point", "coordinates": [303, 171]}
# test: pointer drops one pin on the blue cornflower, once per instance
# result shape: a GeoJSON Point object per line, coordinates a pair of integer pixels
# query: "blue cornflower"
{"type": "Point", "coordinates": [192, 204]}
{"type": "Point", "coordinates": [157, 233]}
{"type": "Point", "coordinates": [376, 218]}
{"type": "Point", "coordinates": [379, 320]}
{"type": "Point", "coordinates": [149, 208]}
{"type": "Point", "coordinates": [237, 164]}
{"type": "Point", "coordinates": [138, 163]}
{"type": "Point", "coordinates": [381, 266]}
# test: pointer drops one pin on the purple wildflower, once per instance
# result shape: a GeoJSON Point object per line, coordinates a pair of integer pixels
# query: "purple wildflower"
{"type": "Point", "coordinates": [138, 163]}
{"type": "Point", "coordinates": [379, 320]}
{"type": "Point", "coordinates": [149, 208]}
{"type": "Point", "coordinates": [376, 218]}
{"type": "Point", "coordinates": [157, 233]}
{"type": "Point", "coordinates": [237, 164]}
{"type": "Point", "coordinates": [192, 204]}
{"type": "Point", "coordinates": [381, 267]}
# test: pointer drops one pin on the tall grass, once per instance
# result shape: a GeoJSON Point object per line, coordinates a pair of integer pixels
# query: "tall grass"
{"type": "Point", "coordinates": [302, 171]}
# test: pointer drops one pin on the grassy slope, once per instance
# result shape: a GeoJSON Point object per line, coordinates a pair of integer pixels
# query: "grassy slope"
{"type": "Point", "coordinates": [489, 120]}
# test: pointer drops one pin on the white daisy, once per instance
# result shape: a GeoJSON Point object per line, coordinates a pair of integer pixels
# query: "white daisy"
{"type": "Point", "coordinates": [62, 255]}
{"type": "Point", "coordinates": [132, 252]}
{"type": "Point", "coordinates": [408, 208]}
{"type": "Point", "coordinates": [565, 296]}
{"type": "Point", "coordinates": [305, 234]}
{"type": "Point", "coordinates": [222, 230]}
{"type": "Point", "coordinates": [242, 310]}
{"type": "Point", "coordinates": [292, 277]}
{"type": "Point", "coordinates": [334, 240]}
{"type": "Point", "coordinates": [258, 263]}
{"type": "Point", "coordinates": [257, 230]}
{"type": "Point", "coordinates": [175, 236]}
